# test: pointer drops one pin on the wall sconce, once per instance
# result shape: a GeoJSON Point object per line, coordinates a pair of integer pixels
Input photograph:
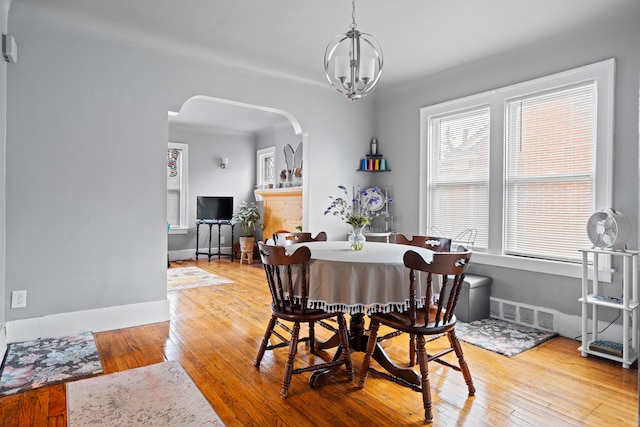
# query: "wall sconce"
{"type": "Point", "coordinates": [224, 162]}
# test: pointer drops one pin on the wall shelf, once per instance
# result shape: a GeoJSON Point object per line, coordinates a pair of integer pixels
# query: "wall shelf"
{"type": "Point", "coordinates": [627, 351]}
{"type": "Point", "coordinates": [373, 163]}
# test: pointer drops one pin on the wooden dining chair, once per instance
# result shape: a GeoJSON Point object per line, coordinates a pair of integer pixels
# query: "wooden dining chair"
{"type": "Point", "coordinates": [436, 244]}
{"type": "Point", "coordinates": [288, 280]}
{"type": "Point", "coordinates": [286, 239]}
{"type": "Point", "coordinates": [433, 317]}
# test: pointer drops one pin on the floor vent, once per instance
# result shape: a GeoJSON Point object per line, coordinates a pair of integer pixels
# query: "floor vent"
{"type": "Point", "coordinates": [529, 315]}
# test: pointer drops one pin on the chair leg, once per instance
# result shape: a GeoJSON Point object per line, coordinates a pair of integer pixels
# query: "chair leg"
{"type": "Point", "coordinates": [371, 345]}
{"type": "Point", "coordinates": [265, 341]}
{"type": "Point", "coordinates": [312, 338]}
{"type": "Point", "coordinates": [288, 369]}
{"type": "Point", "coordinates": [412, 349]}
{"type": "Point", "coordinates": [346, 352]}
{"type": "Point", "coordinates": [424, 372]}
{"type": "Point", "coordinates": [464, 368]}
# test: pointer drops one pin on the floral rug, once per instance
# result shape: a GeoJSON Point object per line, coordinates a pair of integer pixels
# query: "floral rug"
{"type": "Point", "coordinates": [499, 336]}
{"type": "Point", "coordinates": [192, 277]}
{"type": "Point", "coordinates": [47, 361]}
{"type": "Point", "coordinates": [156, 395]}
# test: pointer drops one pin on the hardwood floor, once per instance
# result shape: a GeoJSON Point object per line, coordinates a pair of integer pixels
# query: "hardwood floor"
{"type": "Point", "coordinates": [215, 331]}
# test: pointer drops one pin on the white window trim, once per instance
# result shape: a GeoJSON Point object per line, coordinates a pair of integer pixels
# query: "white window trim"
{"type": "Point", "coordinates": [260, 155]}
{"type": "Point", "coordinates": [183, 228]}
{"type": "Point", "coordinates": [604, 73]}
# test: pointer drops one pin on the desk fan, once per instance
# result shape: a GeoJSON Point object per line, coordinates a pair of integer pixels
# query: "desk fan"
{"type": "Point", "coordinates": [609, 229]}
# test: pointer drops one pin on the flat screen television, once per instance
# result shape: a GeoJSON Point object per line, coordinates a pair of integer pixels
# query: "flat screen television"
{"type": "Point", "coordinates": [214, 208]}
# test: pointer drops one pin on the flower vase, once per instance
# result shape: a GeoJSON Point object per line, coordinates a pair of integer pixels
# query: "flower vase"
{"type": "Point", "coordinates": [356, 238]}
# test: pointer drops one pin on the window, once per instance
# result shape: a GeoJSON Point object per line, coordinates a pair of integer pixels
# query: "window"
{"type": "Point", "coordinates": [550, 173]}
{"type": "Point", "coordinates": [177, 160]}
{"type": "Point", "coordinates": [459, 173]}
{"type": "Point", "coordinates": [525, 166]}
{"type": "Point", "coordinates": [266, 167]}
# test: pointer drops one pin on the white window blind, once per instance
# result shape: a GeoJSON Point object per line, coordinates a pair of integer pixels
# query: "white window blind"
{"type": "Point", "coordinates": [550, 172]}
{"type": "Point", "coordinates": [459, 174]}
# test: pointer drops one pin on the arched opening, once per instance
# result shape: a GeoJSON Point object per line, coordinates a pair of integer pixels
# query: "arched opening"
{"type": "Point", "coordinates": [217, 131]}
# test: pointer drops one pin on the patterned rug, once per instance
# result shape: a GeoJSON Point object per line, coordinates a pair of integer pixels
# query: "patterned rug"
{"type": "Point", "coordinates": [192, 277]}
{"type": "Point", "coordinates": [156, 395]}
{"type": "Point", "coordinates": [508, 339]}
{"type": "Point", "coordinates": [47, 361]}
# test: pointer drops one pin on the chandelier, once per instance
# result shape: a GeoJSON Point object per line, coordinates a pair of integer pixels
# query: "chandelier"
{"type": "Point", "coordinates": [353, 61]}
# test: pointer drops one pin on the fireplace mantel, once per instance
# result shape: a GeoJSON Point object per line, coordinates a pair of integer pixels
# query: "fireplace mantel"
{"type": "Point", "coordinates": [282, 209]}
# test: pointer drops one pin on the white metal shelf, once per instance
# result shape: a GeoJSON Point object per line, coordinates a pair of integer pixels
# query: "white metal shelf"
{"type": "Point", "coordinates": [629, 304]}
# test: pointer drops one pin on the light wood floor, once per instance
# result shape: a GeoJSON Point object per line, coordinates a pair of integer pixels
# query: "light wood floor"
{"type": "Point", "coordinates": [214, 332]}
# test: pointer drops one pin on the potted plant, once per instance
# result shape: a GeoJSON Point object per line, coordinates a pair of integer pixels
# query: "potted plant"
{"type": "Point", "coordinates": [247, 216]}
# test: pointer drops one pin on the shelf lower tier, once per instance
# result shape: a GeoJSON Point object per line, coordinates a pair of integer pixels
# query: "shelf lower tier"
{"type": "Point", "coordinates": [591, 299]}
{"type": "Point", "coordinates": [626, 359]}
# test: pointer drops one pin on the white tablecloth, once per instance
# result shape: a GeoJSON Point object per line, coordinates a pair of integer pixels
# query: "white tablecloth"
{"type": "Point", "coordinates": [373, 279]}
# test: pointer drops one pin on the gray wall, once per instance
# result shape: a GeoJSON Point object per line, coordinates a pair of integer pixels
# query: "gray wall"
{"type": "Point", "coordinates": [87, 106]}
{"type": "Point", "coordinates": [397, 124]}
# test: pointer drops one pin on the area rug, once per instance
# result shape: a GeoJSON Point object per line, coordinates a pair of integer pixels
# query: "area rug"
{"type": "Point", "coordinates": [47, 361]}
{"type": "Point", "coordinates": [156, 395]}
{"type": "Point", "coordinates": [499, 336]}
{"type": "Point", "coordinates": [192, 277]}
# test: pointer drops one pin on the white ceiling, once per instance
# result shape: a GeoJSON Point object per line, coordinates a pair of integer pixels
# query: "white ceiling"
{"type": "Point", "coordinates": [289, 37]}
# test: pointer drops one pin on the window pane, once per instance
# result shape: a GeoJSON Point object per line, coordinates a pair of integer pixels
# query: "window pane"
{"type": "Point", "coordinates": [174, 175]}
{"type": "Point", "coordinates": [268, 169]}
{"type": "Point", "coordinates": [459, 174]}
{"type": "Point", "coordinates": [550, 172]}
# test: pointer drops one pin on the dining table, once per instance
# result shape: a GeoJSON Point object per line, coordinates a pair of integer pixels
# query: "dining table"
{"type": "Point", "coordinates": [373, 279]}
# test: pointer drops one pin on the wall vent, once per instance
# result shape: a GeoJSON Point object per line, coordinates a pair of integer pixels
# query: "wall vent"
{"type": "Point", "coordinates": [527, 315]}
{"type": "Point", "coordinates": [509, 311]}
{"type": "Point", "coordinates": [524, 314]}
{"type": "Point", "coordinates": [494, 308]}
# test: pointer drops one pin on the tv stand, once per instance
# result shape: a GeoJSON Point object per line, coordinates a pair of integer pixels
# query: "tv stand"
{"type": "Point", "coordinates": [211, 223]}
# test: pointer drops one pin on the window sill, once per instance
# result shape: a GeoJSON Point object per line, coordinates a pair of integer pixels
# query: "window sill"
{"type": "Point", "coordinates": [557, 268]}
{"type": "Point", "coordinates": [178, 230]}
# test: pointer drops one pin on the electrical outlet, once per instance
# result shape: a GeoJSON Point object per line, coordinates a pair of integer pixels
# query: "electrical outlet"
{"type": "Point", "coordinates": [222, 240]}
{"type": "Point", "coordinates": [18, 299]}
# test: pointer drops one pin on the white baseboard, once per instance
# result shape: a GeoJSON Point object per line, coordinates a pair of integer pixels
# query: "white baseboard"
{"type": "Point", "coordinates": [98, 320]}
{"type": "Point", "coordinates": [191, 253]}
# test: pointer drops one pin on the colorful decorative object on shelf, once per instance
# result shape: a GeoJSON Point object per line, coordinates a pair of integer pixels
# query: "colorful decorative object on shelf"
{"type": "Point", "coordinates": [373, 163]}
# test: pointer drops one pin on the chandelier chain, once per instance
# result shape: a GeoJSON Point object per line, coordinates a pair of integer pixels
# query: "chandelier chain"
{"type": "Point", "coordinates": [353, 15]}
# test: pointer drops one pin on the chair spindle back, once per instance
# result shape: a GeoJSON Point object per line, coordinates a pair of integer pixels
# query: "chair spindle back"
{"type": "Point", "coordinates": [286, 239]}
{"type": "Point", "coordinates": [286, 276]}
{"type": "Point", "coordinates": [436, 244]}
{"type": "Point", "coordinates": [451, 267]}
